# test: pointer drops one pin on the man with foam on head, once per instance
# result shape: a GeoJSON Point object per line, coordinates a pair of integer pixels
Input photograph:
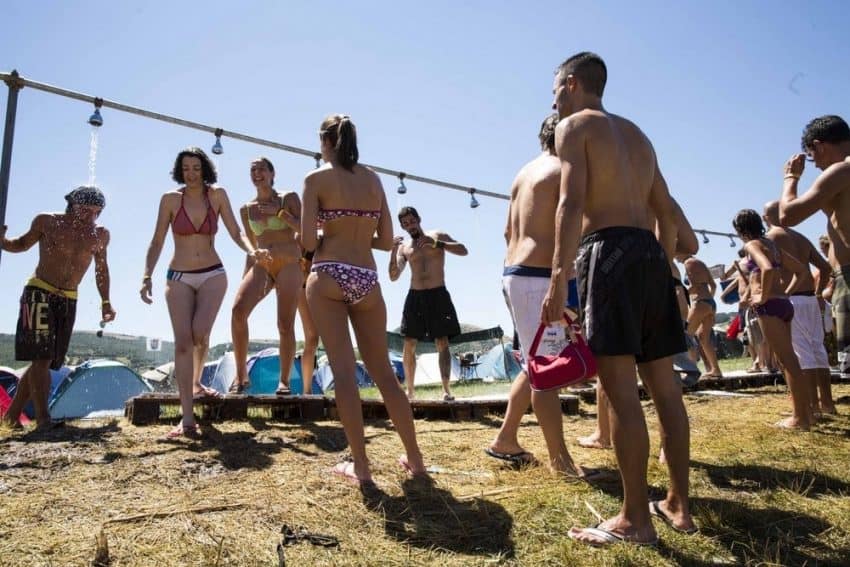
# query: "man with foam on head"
{"type": "Point", "coordinates": [67, 244]}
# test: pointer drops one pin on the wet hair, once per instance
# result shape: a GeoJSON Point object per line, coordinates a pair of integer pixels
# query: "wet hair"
{"type": "Point", "coordinates": [547, 132]}
{"type": "Point", "coordinates": [588, 68]}
{"type": "Point", "coordinates": [86, 195]}
{"type": "Point", "coordinates": [408, 211]}
{"type": "Point", "coordinates": [748, 224]}
{"type": "Point", "coordinates": [339, 131]}
{"type": "Point", "coordinates": [268, 163]}
{"type": "Point", "coordinates": [208, 172]}
{"type": "Point", "coordinates": [829, 128]}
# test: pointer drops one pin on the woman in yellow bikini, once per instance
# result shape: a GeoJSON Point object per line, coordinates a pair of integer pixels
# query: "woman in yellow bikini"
{"type": "Point", "coordinates": [271, 222]}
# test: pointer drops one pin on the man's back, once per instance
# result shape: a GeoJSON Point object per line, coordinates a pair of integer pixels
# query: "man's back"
{"type": "Point", "coordinates": [798, 247]}
{"type": "Point", "coordinates": [531, 225]}
{"type": "Point", "coordinates": [620, 171]}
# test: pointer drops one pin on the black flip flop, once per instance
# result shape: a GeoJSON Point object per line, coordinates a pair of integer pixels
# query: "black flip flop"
{"type": "Point", "coordinates": [516, 459]}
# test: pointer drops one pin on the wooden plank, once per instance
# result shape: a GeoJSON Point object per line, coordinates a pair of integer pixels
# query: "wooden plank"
{"type": "Point", "coordinates": [140, 411]}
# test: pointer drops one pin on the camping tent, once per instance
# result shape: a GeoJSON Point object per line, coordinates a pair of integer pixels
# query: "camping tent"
{"type": "Point", "coordinates": [428, 369]}
{"type": "Point", "coordinates": [93, 389]}
{"type": "Point", "coordinates": [498, 363]}
{"type": "Point", "coordinates": [263, 373]}
{"type": "Point", "coordinates": [8, 385]}
{"type": "Point", "coordinates": [8, 380]}
{"type": "Point", "coordinates": [161, 377]}
{"type": "Point", "coordinates": [324, 379]}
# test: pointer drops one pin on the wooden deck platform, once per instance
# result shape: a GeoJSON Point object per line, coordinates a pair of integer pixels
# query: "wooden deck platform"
{"type": "Point", "coordinates": [146, 409]}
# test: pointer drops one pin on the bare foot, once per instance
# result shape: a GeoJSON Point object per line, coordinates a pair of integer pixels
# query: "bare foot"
{"type": "Point", "coordinates": [593, 441]}
{"type": "Point", "coordinates": [678, 520]}
{"type": "Point", "coordinates": [347, 471]}
{"type": "Point", "coordinates": [419, 470]}
{"type": "Point", "coordinates": [792, 423]}
{"type": "Point", "coordinates": [828, 410]}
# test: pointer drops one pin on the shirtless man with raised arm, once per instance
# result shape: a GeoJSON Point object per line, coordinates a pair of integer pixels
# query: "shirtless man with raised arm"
{"type": "Point", "coordinates": [67, 243]}
{"type": "Point", "coordinates": [807, 331]}
{"type": "Point", "coordinates": [611, 187]}
{"type": "Point", "coordinates": [826, 142]}
{"type": "Point", "coordinates": [429, 313]}
{"type": "Point", "coordinates": [702, 310]}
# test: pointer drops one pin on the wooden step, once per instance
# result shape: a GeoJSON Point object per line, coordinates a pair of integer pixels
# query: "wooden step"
{"type": "Point", "coordinates": [145, 409]}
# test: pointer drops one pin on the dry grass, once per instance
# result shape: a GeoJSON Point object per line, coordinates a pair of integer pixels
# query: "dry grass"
{"type": "Point", "coordinates": [761, 496]}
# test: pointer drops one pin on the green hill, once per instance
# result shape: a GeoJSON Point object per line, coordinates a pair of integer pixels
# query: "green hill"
{"type": "Point", "coordinates": [128, 349]}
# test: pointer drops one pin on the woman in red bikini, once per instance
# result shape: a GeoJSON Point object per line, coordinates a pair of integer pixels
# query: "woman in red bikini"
{"type": "Point", "coordinates": [196, 280]}
{"type": "Point", "coordinates": [271, 221]}
{"type": "Point", "coordinates": [768, 297]}
{"type": "Point", "coordinates": [348, 200]}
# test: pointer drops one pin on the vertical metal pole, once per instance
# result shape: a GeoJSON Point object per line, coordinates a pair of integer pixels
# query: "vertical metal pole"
{"type": "Point", "coordinates": [8, 137]}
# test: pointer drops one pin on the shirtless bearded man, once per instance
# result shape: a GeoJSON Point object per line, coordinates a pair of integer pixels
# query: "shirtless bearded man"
{"type": "Point", "coordinates": [428, 310]}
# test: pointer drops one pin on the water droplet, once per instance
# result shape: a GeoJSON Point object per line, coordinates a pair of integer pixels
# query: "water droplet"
{"type": "Point", "coordinates": [92, 154]}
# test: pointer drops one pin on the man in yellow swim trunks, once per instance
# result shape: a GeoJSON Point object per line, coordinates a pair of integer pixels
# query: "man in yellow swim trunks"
{"type": "Point", "coordinates": [67, 243]}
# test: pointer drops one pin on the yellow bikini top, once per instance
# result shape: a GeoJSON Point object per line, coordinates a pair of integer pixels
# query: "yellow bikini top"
{"type": "Point", "coordinates": [258, 227]}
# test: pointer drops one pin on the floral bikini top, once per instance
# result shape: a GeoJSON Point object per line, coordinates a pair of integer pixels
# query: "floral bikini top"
{"type": "Point", "coordinates": [325, 215]}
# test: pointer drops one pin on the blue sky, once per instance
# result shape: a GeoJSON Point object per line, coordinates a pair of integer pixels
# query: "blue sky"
{"type": "Point", "coordinates": [451, 90]}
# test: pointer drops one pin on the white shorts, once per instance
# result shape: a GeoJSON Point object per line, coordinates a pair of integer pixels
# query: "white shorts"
{"type": "Point", "coordinates": [807, 332]}
{"type": "Point", "coordinates": [524, 295]}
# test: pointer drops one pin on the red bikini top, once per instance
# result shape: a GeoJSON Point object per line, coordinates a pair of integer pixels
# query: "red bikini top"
{"type": "Point", "coordinates": [183, 226]}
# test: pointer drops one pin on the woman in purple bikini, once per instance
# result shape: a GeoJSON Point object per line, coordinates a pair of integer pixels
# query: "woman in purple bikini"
{"type": "Point", "coordinates": [349, 203]}
{"type": "Point", "coordinates": [768, 297]}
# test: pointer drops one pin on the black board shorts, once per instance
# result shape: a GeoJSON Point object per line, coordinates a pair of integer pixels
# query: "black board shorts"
{"type": "Point", "coordinates": [45, 324]}
{"type": "Point", "coordinates": [429, 314]}
{"type": "Point", "coordinates": [628, 296]}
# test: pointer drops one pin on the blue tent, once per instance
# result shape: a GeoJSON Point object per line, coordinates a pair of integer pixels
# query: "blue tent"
{"type": "Point", "coordinates": [263, 373]}
{"type": "Point", "coordinates": [499, 363]}
{"type": "Point", "coordinates": [95, 388]}
{"type": "Point", "coordinates": [8, 380]}
{"type": "Point", "coordinates": [325, 378]}
{"type": "Point", "coordinates": [397, 362]}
